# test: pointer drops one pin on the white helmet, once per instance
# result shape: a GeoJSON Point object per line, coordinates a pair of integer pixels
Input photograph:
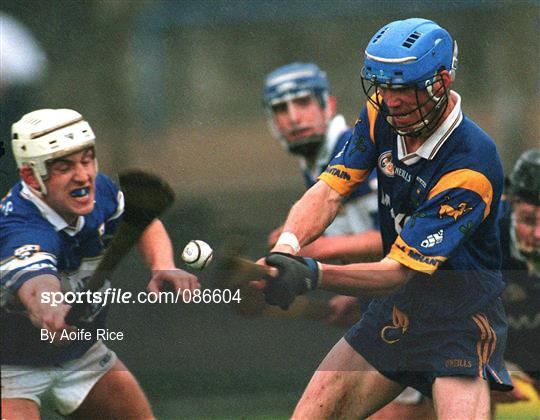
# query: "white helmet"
{"type": "Point", "coordinates": [46, 134]}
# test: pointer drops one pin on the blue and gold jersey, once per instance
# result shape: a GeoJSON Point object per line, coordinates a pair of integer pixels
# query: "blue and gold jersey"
{"type": "Point", "coordinates": [437, 209]}
{"type": "Point", "coordinates": [36, 241]}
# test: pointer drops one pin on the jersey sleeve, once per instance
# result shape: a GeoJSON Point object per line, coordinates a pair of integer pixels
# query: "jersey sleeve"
{"type": "Point", "coordinates": [27, 251]}
{"type": "Point", "coordinates": [112, 200]}
{"type": "Point", "coordinates": [453, 210]}
{"type": "Point", "coordinates": [354, 162]}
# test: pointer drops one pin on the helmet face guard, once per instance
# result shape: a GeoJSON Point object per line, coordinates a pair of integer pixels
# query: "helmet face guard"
{"type": "Point", "coordinates": [288, 83]}
{"type": "Point", "coordinates": [430, 110]}
{"type": "Point", "coordinates": [411, 54]}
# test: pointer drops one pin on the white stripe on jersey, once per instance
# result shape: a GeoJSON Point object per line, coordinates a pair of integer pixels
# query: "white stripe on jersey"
{"type": "Point", "coordinates": [34, 267]}
{"type": "Point", "coordinates": [15, 263]}
{"type": "Point", "coordinates": [119, 208]}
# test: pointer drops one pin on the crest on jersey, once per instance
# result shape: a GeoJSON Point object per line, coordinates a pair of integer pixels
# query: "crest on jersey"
{"type": "Point", "coordinates": [26, 251]}
{"type": "Point", "coordinates": [385, 163]}
{"type": "Point", "coordinates": [455, 213]}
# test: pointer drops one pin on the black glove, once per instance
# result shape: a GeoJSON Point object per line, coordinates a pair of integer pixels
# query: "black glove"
{"type": "Point", "coordinates": [296, 276]}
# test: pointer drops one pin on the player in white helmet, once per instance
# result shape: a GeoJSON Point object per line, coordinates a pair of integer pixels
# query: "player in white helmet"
{"type": "Point", "coordinates": [55, 224]}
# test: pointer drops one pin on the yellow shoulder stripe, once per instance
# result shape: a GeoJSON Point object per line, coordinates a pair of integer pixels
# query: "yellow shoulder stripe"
{"type": "Point", "coordinates": [343, 179]}
{"type": "Point", "coordinates": [414, 259]}
{"type": "Point", "coordinates": [467, 179]}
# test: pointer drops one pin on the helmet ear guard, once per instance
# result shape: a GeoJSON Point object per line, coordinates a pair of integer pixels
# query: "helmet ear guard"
{"type": "Point", "coordinates": [454, 67]}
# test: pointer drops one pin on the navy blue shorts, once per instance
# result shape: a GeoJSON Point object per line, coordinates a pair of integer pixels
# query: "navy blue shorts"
{"type": "Point", "coordinates": [415, 351]}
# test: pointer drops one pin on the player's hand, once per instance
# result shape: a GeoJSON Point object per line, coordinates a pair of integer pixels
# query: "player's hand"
{"type": "Point", "coordinates": [345, 310]}
{"type": "Point", "coordinates": [52, 319]}
{"type": "Point", "coordinates": [295, 276]}
{"type": "Point", "coordinates": [174, 279]}
{"type": "Point", "coordinates": [45, 315]}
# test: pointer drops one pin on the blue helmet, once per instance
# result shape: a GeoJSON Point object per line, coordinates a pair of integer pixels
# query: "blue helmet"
{"type": "Point", "coordinates": [295, 80]}
{"type": "Point", "coordinates": [409, 52]}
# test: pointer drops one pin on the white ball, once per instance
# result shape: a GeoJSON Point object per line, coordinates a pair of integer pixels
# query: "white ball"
{"type": "Point", "coordinates": [197, 254]}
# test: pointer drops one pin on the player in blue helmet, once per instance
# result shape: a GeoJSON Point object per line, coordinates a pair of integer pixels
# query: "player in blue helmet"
{"type": "Point", "coordinates": [55, 224]}
{"type": "Point", "coordinates": [415, 61]}
{"type": "Point", "coordinates": [303, 116]}
{"type": "Point", "coordinates": [437, 324]}
{"type": "Point", "coordinates": [300, 86]}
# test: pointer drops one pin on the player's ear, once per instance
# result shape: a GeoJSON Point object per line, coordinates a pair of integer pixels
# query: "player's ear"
{"type": "Point", "coordinates": [27, 175]}
{"type": "Point", "coordinates": [445, 79]}
{"type": "Point", "coordinates": [330, 106]}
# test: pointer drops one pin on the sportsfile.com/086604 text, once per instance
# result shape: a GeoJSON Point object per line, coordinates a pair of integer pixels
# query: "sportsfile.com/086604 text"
{"type": "Point", "coordinates": [114, 295]}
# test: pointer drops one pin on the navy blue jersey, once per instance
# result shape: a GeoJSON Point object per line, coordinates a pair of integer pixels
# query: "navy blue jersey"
{"type": "Point", "coordinates": [36, 241]}
{"type": "Point", "coordinates": [522, 302]}
{"type": "Point", "coordinates": [437, 209]}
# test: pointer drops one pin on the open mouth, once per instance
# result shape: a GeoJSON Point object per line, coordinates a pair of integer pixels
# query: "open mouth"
{"type": "Point", "coordinates": [402, 116]}
{"type": "Point", "coordinates": [299, 133]}
{"type": "Point", "coordinates": [80, 192]}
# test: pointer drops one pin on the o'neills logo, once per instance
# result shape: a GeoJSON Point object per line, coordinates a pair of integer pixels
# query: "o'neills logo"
{"type": "Point", "coordinates": [385, 163]}
{"type": "Point", "coordinates": [457, 363]}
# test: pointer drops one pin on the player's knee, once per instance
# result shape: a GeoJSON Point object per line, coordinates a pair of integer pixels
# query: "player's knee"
{"type": "Point", "coordinates": [330, 394]}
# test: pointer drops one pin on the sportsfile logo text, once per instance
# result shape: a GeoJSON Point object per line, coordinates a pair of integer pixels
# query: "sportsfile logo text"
{"type": "Point", "coordinates": [114, 295]}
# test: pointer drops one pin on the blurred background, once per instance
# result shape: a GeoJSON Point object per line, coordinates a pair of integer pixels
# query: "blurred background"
{"type": "Point", "coordinates": [175, 87]}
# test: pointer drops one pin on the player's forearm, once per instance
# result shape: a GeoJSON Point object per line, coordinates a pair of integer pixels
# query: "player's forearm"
{"type": "Point", "coordinates": [365, 246]}
{"type": "Point", "coordinates": [156, 248]}
{"type": "Point", "coordinates": [310, 216]}
{"type": "Point", "coordinates": [365, 279]}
